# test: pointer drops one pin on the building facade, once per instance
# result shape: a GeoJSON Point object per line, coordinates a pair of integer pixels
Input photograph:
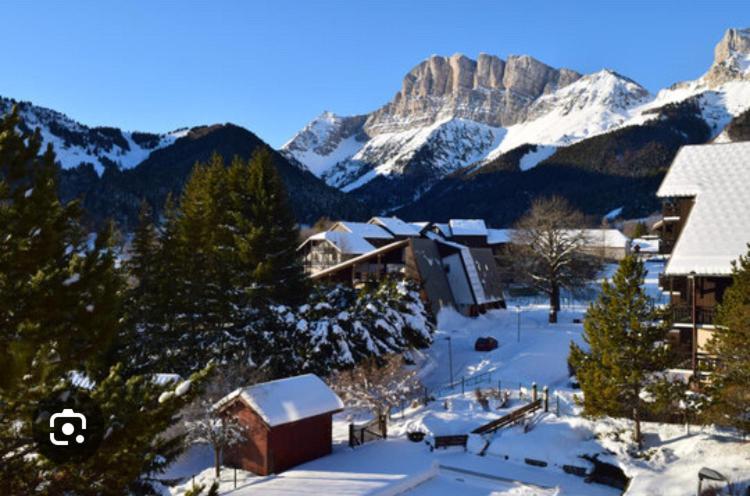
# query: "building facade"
{"type": "Point", "coordinates": [705, 227]}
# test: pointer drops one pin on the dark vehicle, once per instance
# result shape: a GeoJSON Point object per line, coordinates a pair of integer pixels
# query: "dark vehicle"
{"type": "Point", "coordinates": [485, 344]}
{"type": "Point", "coordinates": [415, 436]}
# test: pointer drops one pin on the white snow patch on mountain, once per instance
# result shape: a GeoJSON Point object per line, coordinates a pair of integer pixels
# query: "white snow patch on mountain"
{"type": "Point", "coordinates": [451, 144]}
{"type": "Point", "coordinates": [318, 164]}
{"type": "Point", "coordinates": [531, 159]}
{"type": "Point", "coordinates": [594, 104]}
{"type": "Point", "coordinates": [327, 140]}
{"type": "Point", "coordinates": [75, 143]}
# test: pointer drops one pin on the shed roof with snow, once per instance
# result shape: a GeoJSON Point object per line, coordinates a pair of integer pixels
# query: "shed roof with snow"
{"type": "Point", "coordinates": [717, 229]}
{"type": "Point", "coordinates": [287, 400]}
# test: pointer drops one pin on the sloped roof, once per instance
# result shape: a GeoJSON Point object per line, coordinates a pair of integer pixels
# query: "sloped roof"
{"type": "Point", "coordinates": [472, 275]}
{"type": "Point", "coordinates": [287, 400]}
{"type": "Point", "coordinates": [468, 227]}
{"type": "Point", "coordinates": [488, 273]}
{"type": "Point", "coordinates": [396, 226]}
{"type": "Point", "coordinates": [717, 229]}
{"type": "Point", "coordinates": [609, 238]}
{"type": "Point", "coordinates": [432, 273]}
{"type": "Point", "coordinates": [360, 258]}
{"type": "Point", "coordinates": [363, 229]}
{"type": "Point", "coordinates": [444, 228]}
{"type": "Point", "coordinates": [499, 236]}
{"type": "Point", "coordinates": [344, 242]}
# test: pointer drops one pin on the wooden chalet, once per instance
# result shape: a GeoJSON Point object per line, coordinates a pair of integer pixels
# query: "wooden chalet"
{"type": "Point", "coordinates": [286, 422]}
{"type": "Point", "coordinates": [449, 274]}
{"type": "Point", "coordinates": [705, 227]}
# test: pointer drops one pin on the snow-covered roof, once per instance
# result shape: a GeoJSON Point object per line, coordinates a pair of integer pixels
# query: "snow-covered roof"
{"type": "Point", "coordinates": [287, 400]}
{"type": "Point", "coordinates": [717, 229]}
{"type": "Point", "coordinates": [344, 242]}
{"type": "Point", "coordinates": [360, 258]}
{"type": "Point", "coordinates": [607, 238]}
{"type": "Point", "coordinates": [594, 238]}
{"type": "Point", "coordinates": [499, 236]}
{"type": "Point", "coordinates": [362, 229]}
{"type": "Point", "coordinates": [646, 245]}
{"type": "Point", "coordinates": [396, 226]}
{"type": "Point", "coordinates": [472, 275]}
{"type": "Point", "coordinates": [444, 228]}
{"type": "Point", "coordinates": [468, 227]}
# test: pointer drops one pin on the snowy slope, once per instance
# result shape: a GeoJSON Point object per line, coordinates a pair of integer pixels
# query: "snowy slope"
{"type": "Point", "coordinates": [594, 104]}
{"type": "Point", "coordinates": [451, 144]}
{"type": "Point", "coordinates": [76, 143]}
{"type": "Point", "coordinates": [328, 139]}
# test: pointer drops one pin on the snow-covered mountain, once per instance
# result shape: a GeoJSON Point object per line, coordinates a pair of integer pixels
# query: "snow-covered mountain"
{"type": "Point", "coordinates": [76, 143]}
{"type": "Point", "coordinates": [452, 112]}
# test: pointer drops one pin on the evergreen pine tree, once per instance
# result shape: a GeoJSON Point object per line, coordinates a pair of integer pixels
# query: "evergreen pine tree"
{"type": "Point", "coordinates": [61, 310]}
{"type": "Point", "coordinates": [268, 235]}
{"type": "Point", "coordinates": [729, 389]}
{"type": "Point", "coordinates": [625, 344]}
{"type": "Point", "coordinates": [143, 296]}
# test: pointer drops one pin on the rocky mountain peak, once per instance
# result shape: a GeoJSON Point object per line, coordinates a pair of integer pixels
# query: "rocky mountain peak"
{"type": "Point", "coordinates": [488, 90]}
{"type": "Point", "coordinates": [731, 58]}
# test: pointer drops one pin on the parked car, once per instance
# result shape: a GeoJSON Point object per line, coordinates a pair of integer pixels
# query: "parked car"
{"type": "Point", "coordinates": [486, 343]}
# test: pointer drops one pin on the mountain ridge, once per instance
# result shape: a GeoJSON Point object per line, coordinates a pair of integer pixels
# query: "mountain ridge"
{"type": "Point", "coordinates": [446, 117]}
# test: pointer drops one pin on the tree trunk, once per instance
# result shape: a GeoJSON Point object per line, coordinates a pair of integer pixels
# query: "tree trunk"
{"type": "Point", "coordinates": [554, 303]}
{"type": "Point", "coordinates": [637, 432]}
{"type": "Point", "coordinates": [217, 461]}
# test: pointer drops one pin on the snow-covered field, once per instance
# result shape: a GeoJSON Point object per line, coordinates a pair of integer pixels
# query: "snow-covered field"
{"type": "Point", "coordinates": [672, 457]}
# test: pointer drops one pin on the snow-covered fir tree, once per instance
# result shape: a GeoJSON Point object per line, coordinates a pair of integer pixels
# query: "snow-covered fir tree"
{"type": "Point", "coordinates": [341, 327]}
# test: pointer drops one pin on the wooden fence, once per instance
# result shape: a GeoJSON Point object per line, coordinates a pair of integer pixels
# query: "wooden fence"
{"type": "Point", "coordinates": [376, 428]}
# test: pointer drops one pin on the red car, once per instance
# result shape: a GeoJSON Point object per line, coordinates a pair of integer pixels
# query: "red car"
{"type": "Point", "coordinates": [485, 344]}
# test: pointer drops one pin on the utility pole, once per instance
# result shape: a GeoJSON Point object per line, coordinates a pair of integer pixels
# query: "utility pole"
{"type": "Point", "coordinates": [694, 318]}
{"type": "Point", "coordinates": [450, 357]}
{"type": "Point", "coordinates": [518, 323]}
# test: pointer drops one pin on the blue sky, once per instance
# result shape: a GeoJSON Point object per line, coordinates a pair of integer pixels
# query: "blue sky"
{"type": "Point", "coordinates": [271, 66]}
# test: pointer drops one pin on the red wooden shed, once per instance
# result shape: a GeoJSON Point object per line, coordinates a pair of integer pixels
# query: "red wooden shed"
{"type": "Point", "coordinates": [287, 422]}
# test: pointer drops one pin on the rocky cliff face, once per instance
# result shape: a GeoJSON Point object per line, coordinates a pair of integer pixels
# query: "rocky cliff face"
{"type": "Point", "coordinates": [488, 90]}
{"type": "Point", "coordinates": [731, 59]}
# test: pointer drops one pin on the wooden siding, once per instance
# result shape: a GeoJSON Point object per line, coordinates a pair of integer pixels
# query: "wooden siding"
{"type": "Point", "coordinates": [253, 453]}
{"type": "Point", "coordinates": [671, 229]}
{"type": "Point", "coordinates": [269, 450]}
{"type": "Point", "coordinates": [299, 442]}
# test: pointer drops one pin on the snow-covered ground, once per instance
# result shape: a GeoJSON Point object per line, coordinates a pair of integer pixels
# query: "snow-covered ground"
{"type": "Point", "coordinates": [669, 466]}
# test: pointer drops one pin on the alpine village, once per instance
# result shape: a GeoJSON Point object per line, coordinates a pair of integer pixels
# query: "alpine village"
{"type": "Point", "coordinates": [510, 279]}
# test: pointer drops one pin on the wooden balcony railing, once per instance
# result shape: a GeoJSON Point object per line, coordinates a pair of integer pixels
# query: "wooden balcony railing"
{"type": "Point", "coordinates": [683, 314]}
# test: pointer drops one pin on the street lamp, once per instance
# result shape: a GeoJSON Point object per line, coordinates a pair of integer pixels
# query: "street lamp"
{"type": "Point", "coordinates": [450, 357]}
{"type": "Point", "coordinates": [518, 323]}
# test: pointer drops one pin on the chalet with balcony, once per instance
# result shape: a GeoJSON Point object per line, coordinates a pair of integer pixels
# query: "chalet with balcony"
{"type": "Point", "coordinates": [450, 274]}
{"type": "Point", "coordinates": [706, 226]}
